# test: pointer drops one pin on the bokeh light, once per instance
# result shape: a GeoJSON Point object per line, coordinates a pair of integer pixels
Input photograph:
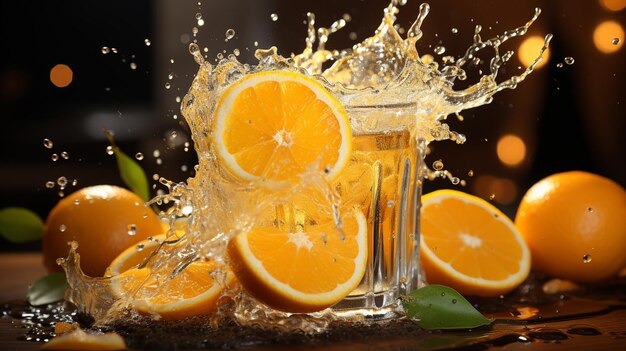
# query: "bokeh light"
{"type": "Point", "coordinates": [61, 75]}
{"type": "Point", "coordinates": [511, 150]}
{"type": "Point", "coordinates": [608, 36]}
{"type": "Point", "coordinates": [500, 190]}
{"type": "Point", "coordinates": [613, 5]}
{"type": "Point", "coordinates": [529, 50]}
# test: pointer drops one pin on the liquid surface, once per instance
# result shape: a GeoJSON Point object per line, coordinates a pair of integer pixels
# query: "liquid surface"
{"type": "Point", "coordinates": [587, 319]}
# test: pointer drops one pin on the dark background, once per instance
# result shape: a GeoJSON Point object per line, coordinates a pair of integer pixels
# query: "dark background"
{"type": "Point", "coordinates": [570, 118]}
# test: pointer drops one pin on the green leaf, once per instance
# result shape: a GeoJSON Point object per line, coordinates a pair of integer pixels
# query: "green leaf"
{"type": "Point", "coordinates": [20, 225]}
{"type": "Point", "coordinates": [47, 289]}
{"type": "Point", "coordinates": [132, 174]}
{"type": "Point", "coordinates": [441, 307]}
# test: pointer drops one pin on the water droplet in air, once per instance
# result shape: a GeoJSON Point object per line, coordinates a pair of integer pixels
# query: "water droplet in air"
{"type": "Point", "coordinates": [569, 60]}
{"type": "Point", "coordinates": [170, 76]}
{"type": "Point", "coordinates": [200, 22]}
{"type": "Point", "coordinates": [586, 258]}
{"type": "Point", "coordinates": [615, 41]}
{"type": "Point", "coordinates": [230, 33]}
{"type": "Point", "coordinates": [49, 184]}
{"type": "Point", "coordinates": [156, 153]}
{"type": "Point", "coordinates": [256, 43]}
{"type": "Point", "coordinates": [155, 176]}
{"type": "Point", "coordinates": [168, 85]}
{"type": "Point", "coordinates": [177, 99]}
{"type": "Point", "coordinates": [114, 50]}
{"type": "Point", "coordinates": [65, 155]}
{"type": "Point", "coordinates": [105, 50]}
{"type": "Point", "coordinates": [47, 143]}
{"type": "Point", "coordinates": [62, 181]}
{"type": "Point", "coordinates": [492, 196]}
{"type": "Point", "coordinates": [159, 161]}
{"type": "Point", "coordinates": [438, 165]}
{"type": "Point", "coordinates": [133, 65]}
{"type": "Point", "coordinates": [454, 30]}
{"type": "Point", "coordinates": [439, 50]}
{"type": "Point", "coordinates": [62, 228]}
{"type": "Point", "coordinates": [139, 156]}
{"type": "Point", "coordinates": [54, 157]}
{"type": "Point", "coordinates": [236, 52]}
{"type": "Point", "coordinates": [559, 65]}
{"type": "Point", "coordinates": [132, 229]}
{"type": "Point", "coordinates": [470, 173]}
{"type": "Point", "coordinates": [274, 17]}
{"type": "Point", "coordinates": [183, 168]}
{"type": "Point", "coordinates": [74, 182]}
{"type": "Point", "coordinates": [110, 150]}
{"type": "Point", "coordinates": [147, 42]}
{"type": "Point", "coordinates": [194, 30]}
{"type": "Point", "coordinates": [171, 60]}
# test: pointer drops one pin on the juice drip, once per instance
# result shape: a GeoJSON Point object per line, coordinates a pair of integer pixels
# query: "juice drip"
{"type": "Point", "coordinates": [383, 70]}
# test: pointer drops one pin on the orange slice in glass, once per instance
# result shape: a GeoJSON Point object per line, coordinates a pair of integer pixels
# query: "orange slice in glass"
{"type": "Point", "coordinates": [469, 245]}
{"type": "Point", "coordinates": [303, 270]}
{"type": "Point", "coordinates": [275, 125]}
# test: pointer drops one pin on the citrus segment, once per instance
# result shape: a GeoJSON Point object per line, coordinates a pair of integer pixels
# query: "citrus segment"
{"type": "Point", "coordinates": [192, 291]}
{"type": "Point", "coordinates": [80, 340]}
{"type": "Point", "coordinates": [581, 216]}
{"type": "Point", "coordinates": [274, 125]}
{"type": "Point", "coordinates": [304, 270]}
{"type": "Point", "coordinates": [469, 245]}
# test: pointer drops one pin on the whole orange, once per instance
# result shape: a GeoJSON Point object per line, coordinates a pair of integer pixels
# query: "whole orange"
{"type": "Point", "coordinates": [104, 220]}
{"type": "Point", "coordinates": [575, 226]}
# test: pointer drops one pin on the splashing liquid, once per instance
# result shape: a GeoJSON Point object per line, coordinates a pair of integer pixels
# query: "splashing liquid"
{"type": "Point", "coordinates": [383, 70]}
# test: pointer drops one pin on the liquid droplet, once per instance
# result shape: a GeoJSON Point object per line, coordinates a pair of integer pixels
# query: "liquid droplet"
{"type": "Point", "coordinates": [589, 209]}
{"type": "Point", "coordinates": [443, 294]}
{"type": "Point", "coordinates": [569, 60]}
{"type": "Point", "coordinates": [139, 156]}
{"type": "Point", "coordinates": [492, 196]}
{"type": "Point", "coordinates": [615, 41]}
{"type": "Point", "coordinates": [65, 155]}
{"type": "Point", "coordinates": [390, 203]}
{"type": "Point", "coordinates": [49, 184]}
{"type": "Point", "coordinates": [62, 181]}
{"type": "Point", "coordinates": [230, 33]}
{"type": "Point", "coordinates": [110, 150]}
{"type": "Point", "coordinates": [274, 17]}
{"type": "Point", "coordinates": [105, 50]}
{"type": "Point", "coordinates": [62, 228]}
{"type": "Point", "coordinates": [439, 50]}
{"type": "Point", "coordinates": [168, 85]}
{"type": "Point", "coordinates": [559, 65]}
{"type": "Point", "coordinates": [47, 143]}
{"type": "Point", "coordinates": [54, 157]}
{"type": "Point", "coordinates": [132, 229]}
{"type": "Point", "coordinates": [438, 165]}
{"type": "Point", "coordinates": [454, 301]}
{"type": "Point", "coordinates": [454, 30]}
{"type": "Point", "coordinates": [586, 258]}
{"type": "Point", "coordinates": [133, 65]}
{"type": "Point", "coordinates": [236, 52]}
{"type": "Point", "coordinates": [470, 173]}
{"type": "Point", "coordinates": [147, 42]}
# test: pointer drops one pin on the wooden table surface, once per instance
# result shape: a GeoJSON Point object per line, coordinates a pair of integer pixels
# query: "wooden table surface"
{"type": "Point", "coordinates": [18, 270]}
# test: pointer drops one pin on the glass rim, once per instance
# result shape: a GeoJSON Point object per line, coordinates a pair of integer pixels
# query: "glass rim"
{"type": "Point", "coordinates": [399, 105]}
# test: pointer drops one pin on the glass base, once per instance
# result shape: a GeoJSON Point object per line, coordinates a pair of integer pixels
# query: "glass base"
{"type": "Point", "coordinates": [373, 306]}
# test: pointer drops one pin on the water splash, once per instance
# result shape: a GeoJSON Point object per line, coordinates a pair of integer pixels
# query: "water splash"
{"type": "Point", "coordinates": [384, 70]}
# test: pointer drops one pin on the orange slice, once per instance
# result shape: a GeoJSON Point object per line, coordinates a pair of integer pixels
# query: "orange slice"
{"type": "Point", "coordinates": [304, 270]}
{"type": "Point", "coordinates": [275, 125]}
{"type": "Point", "coordinates": [193, 291]}
{"type": "Point", "coordinates": [80, 340]}
{"type": "Point", "coordinates": [469, 245]}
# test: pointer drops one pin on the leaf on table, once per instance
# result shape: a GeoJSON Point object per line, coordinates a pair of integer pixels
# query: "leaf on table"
{"type": "Point", "coordinates": [20, 225]}
{"type": "Point", "coordinates": [441, 307]}
{"type": "Point", "coordinates": [47, 289]}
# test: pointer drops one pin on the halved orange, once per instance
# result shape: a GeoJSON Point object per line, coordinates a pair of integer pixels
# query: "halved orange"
{"type": "Point", "coordinates": [81, 340]}
{"type": "Point", "coordinates": [469, 245]}
{"type": "Point", "coordinates": [191, 292]}
{"type": "Point", "coordinates": [305, 269]}
{"type": "Point", "coordinates": [276, 125]}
